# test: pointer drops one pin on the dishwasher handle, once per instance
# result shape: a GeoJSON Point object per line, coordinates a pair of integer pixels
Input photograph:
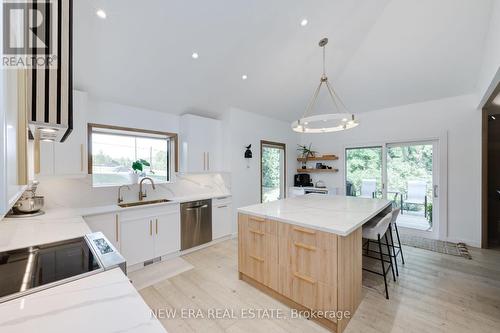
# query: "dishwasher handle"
{"type": "Point", "coordinates": [197, 207]}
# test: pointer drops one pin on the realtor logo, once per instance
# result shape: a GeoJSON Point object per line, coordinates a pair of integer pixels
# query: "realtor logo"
{"type": "Point", "coordinates": [29, 29]}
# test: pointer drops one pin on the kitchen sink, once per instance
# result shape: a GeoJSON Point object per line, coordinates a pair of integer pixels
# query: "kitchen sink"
{"type": "Point", "coordinates": [142, 203]}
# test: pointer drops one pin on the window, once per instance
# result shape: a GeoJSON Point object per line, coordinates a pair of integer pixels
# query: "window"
{"type": "Point", "coordinates": [273, 174]}
{"type": "Point", "coordinates": [112, 150]}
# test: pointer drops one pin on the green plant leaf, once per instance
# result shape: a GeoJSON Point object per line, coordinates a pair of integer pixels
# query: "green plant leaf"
{"type": "Point", "coordinates": [137, 166]}
{"type": "Point", "coordinates": [144, 162]}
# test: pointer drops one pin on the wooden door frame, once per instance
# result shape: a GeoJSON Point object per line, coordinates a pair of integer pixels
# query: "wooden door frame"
{"type": "Point", "coordinates": [484, 180]}
{"type": "Point", "coordinates": [280, 145]}
{"type": "Point", "coordinates": [488, 106]}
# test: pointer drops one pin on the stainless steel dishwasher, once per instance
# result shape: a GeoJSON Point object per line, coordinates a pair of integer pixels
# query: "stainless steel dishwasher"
{"type": "Point", "coordinates": [196, 223]}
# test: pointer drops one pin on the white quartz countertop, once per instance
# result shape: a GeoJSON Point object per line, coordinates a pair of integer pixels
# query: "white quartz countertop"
{"type": "Point", "coordinates": [63, 223]}
{"type": "Point", "coordinates": [340, 215]}
{"type": "Point", "coordinates": [104, 302]}
{"type": "Point", "coordinates": [19, 233]}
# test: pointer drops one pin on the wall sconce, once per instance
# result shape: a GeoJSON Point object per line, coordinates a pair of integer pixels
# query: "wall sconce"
{"type": "Point", "coordinates": [248, 155]}
{"type": "Point", "coordinates": [248, 152]}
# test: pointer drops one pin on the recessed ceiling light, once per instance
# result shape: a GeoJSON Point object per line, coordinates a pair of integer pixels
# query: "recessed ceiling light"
{"type": "Point", "coordinates": [101, 13]}
{"type": "Point", "coordinates": [195, 55]}
{"type": "Point", "coordinates": [304, 22]}
{"type": "Point", "coordinates": [244, 77]}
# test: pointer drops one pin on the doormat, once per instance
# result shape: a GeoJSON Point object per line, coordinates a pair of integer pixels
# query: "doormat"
{"type": "Point", "coordinates": [459, 250]}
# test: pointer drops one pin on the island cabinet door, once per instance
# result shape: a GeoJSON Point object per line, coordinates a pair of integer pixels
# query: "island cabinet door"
{"type": "Point", "coordinates": [258, 249]}
{"type": "Point", "coordinates": [308, 267]}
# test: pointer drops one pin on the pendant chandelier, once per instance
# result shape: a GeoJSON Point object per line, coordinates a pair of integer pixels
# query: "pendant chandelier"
{"type": "Point", "coordinates": [323, 123]}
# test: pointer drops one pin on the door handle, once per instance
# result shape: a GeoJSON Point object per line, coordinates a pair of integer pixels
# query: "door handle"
{"type": "Point", "coordinates": [208, 161]}
{"type": "Point", "coordinates": [197, 207]}
{"type": "Point", "coordinates": [81, 157]}
{"type": "Point", "coordinates": [150, 227]}
{"type": "Point", "coordinates": [116, 227]}
{"type": "Point", "coordinates": [435, 191]}
{"type": "Point", "coordinates": [157, 226]}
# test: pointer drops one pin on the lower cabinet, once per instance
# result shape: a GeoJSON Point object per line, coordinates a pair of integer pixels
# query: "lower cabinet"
{"type": "Point", "coordinates": [298, 263]}
{"type": "Point", "coordinates": [258, 249]}
{"type": "Point", "coordinates": [308, 267]}
{"type": "Point", "coordinates": [141, 234]}
{"type": "Point", "coordinates": [221, 218]}
{"type": "Point", "coordinates": [167, 230]}
{"type": "Point", "coordinates": [108, 224]}
{"type": "Point", "coordinates": [137, 240]}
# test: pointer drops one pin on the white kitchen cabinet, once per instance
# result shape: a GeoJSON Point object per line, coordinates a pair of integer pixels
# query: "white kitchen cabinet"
{"type": "Point", "coordinates": [137, 240]}
{"type": "Point", "coordinates": [108, 224]}
{"type": "Point", "coordinates": [167, 230]}
{"type": "Point", "coordinates": [201, 144]}
{"type": "Point", "coordinates": [149, 233]}
{"type": "Point", "coordinates": [221, 217]}
{"type": "Point", "coordinates": [68, 158]}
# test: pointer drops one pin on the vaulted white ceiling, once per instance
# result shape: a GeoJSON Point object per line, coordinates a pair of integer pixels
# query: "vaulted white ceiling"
{"type": "Point", "coordinates": [381, 53]}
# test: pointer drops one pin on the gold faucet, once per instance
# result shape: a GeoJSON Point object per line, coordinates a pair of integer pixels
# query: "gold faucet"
{"type": "Point", "coordinates": [142, 195]}
{"type": "Point", "coordinates": [120, 196]}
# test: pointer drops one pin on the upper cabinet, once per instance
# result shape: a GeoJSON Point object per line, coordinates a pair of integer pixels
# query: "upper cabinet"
{"type": "Point", "coordinates": [14, 130]}
{"type": "Point", "coordinates": [201, 144]}
{"type": "Point", "coordinates": [68, 158]}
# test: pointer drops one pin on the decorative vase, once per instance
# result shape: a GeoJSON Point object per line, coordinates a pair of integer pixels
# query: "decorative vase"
{"type": "Point", "coordinates": [134, 178]}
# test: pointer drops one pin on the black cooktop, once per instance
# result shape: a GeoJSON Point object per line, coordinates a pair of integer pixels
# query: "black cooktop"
{"type": "Point", "coordinates": [31, 267]}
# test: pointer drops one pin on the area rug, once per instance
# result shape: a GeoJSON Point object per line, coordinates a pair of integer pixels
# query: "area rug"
{"type": "Point", "coordinates": [157, 272]}
{"type": "Point", "coordinates": [459, 250]}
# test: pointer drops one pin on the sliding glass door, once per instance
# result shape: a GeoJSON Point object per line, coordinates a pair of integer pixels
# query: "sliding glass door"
{"type": "Point", "coordinates": [412, 183]}
{"type": "Point", "coordinates": [273, 175]}
{"type": "Point", "coordinates": [405, 173]}
{"type": "Point", "coordinates": [364, 172]}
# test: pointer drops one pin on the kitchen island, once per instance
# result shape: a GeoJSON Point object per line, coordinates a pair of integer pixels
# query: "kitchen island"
{"type": "Point", "coordinates": [306, 252]}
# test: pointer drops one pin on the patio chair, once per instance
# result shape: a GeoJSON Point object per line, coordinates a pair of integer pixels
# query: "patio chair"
{"type": "Point", "coordinates": [368, 188]}
{"type": "Point", "coordinates": [416, 194]}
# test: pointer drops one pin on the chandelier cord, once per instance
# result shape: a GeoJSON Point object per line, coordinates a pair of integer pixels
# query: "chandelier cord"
{"type": "Point", "coordinates": [324, 62]}
{"type": "Point", "coordinates": [339, 105]}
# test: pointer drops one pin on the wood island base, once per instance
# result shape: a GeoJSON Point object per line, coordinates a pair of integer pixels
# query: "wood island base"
{"type": "Point", "coordinates": [306, 269]}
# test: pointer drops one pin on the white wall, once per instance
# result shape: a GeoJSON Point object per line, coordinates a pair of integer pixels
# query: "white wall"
{"type": "Point", "coordinates": [489, 76]}
{"type": "Point", "coordinates": [242, 128]}
{"type": "Point", "coordinates": [100, 112]}
{"type": "Point", "coordinates": [454, 118]}
{"type": "Point", "coordinates": [3, 141]}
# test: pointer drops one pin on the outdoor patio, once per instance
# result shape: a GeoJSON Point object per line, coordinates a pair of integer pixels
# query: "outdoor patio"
{"type": "Point", "coordinates": [414, 220]}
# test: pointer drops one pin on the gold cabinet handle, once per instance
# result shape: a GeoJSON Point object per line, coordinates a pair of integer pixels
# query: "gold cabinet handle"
{"type": "Point", "coordinates": [157, 226]}
{"type": "Point", "coordinates": [116, 226]}
{"type": "Point", "coordinates": [304, 278]}
{"type": "Point", "coordinates": [208, 161]}
{"type": "Point", "coordinates": [304, 231]}
{"type": "Point", "coordinates": [256, 258]}
{"type": "Point", "coordinates": [150, 227]}
{"type": "Point", "coordinates": [256, 232]}
{"type": "Point", "coordinates": [81, 157]}
{"type": "Point", "coordinates": [305, 246]}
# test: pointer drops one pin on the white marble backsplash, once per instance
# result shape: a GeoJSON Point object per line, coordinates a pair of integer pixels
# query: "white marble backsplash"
{"type": "Point", "coordinates": [61, 192]}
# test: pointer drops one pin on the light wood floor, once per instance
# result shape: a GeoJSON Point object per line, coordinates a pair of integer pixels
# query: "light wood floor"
{"type": "Point", "coordinates": [434, 293]}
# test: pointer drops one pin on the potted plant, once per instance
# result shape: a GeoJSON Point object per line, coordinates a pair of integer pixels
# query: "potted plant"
{"type": "Point", "coordinates": [306, 153]}
{"type": "Point", "coordinates": [137, 167]}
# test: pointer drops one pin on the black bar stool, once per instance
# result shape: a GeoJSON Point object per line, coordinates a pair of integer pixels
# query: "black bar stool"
{"type": "Point", "coordinates": [373, 232]}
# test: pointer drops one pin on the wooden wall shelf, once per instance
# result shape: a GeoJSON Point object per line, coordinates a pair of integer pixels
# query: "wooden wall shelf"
{"type": "Point", "coordinates": [318, 158]}
{"type": "Point", "coordinates": [316, 170]}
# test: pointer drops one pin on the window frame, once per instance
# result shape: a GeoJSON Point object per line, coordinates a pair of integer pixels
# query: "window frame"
{"type": "Point", "coordinates": [172, 136]}
{"type": "Point", "coordinates": [279, 145]}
